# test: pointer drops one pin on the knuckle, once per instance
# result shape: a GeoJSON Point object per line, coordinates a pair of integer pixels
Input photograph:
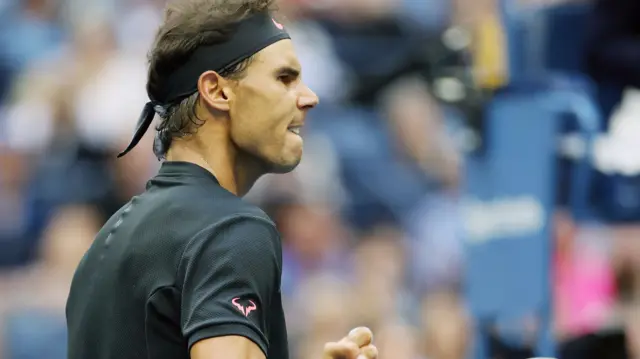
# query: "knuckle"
{"type": "Point", "coordinates": [361, 336]}
{"type": "Point", "coordinates": [370, 351]}
{"type": "Point", "coordinates": [360, 331]}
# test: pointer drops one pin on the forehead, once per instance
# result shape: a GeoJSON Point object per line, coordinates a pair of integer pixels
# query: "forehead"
{"type": "Point", "coordinates": [278, 55]}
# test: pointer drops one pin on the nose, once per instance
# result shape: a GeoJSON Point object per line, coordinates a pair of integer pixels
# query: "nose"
{"type": "Point", "coordinates": [307, 99]}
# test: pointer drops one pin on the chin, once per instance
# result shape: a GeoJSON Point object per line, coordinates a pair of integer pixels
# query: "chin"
{"type": "Point", "coordinates": [283, 166]}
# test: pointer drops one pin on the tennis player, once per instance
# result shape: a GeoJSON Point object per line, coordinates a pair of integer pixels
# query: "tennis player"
{"type": "Point", "coordinates": [187, 269]}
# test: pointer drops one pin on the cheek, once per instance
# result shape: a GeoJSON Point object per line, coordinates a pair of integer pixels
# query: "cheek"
{"type": "Point", "coordinates": [260, 117]}
{"type": "Point", "coordinates": [281, 110]}
{"type": "Point", "coordinates": [256, 132]}
{"type": "Point", "coordinates": [246, 118]}
{"type": "Point", "coordinates": [245, 133]}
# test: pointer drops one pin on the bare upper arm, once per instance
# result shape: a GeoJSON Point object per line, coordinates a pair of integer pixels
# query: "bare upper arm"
{"type": "Point", "coordinates": [227, 347]}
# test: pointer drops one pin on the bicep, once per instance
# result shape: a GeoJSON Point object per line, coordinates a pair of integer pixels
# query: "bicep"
{"type": "Point", "coordinates": [227, 347]}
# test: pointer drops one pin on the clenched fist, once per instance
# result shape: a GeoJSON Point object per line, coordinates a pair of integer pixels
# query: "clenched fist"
{"type": "Point", "coordinates": [356, 345]}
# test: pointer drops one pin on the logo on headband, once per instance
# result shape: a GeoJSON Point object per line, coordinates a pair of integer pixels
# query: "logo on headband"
{"type": "Point", "coordinates": [278, 25]}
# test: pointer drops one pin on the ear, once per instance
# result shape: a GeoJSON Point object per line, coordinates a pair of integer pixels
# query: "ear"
{"type": "Point", "coordinates": [214, 91]}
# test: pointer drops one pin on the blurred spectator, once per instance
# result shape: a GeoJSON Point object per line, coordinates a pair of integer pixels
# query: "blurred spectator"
{"type": "Point", "coordinates": [398, 340]}
{"type": "Point", "coordinates": [140, 18]}
{"type": "Point", "coordinates": [434, 231]}
{"type": "Point", "coordinates": [378, 281]}
{"type": "Point", "coordinates": [77, 107]}
{"type": "Point", "coordinates": [626, 256]}
{"type": "Point", "coordinates": [13, 221]}
{"type": "Point", "coordinates": [97, 89]}
{"type": "Point", "coordinates": [420, 136]}
{"type": "Point", "coordinates": [33, 298]}
{"type": "Point", "coordinates": [446, 328]}
{"type": "Point", "coordinates": [424, 144]}
{"type": "Point", "coordinates": [584, 286]}
{"type": "Point", "coordinates": [29, 31]}
{"type": "Point", "coordinates": [324, 72]}
{"type": "Point", "coordinates": [321, 309]}
{"type": "Point", "coordinates": [314, 241]}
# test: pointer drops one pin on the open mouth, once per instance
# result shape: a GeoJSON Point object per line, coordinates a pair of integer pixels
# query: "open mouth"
{"type": "Point", "coordinates": [294, 129]}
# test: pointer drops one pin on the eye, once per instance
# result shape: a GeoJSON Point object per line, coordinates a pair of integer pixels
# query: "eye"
{"type": "Point", "coordinates": [286, 79]}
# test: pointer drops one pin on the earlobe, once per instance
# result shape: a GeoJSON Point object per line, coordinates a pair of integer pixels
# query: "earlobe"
{"type": "Point", "coordinates": [214, 91]}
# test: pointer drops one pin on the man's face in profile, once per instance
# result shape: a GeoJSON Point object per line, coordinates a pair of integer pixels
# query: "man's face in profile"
{"type": "Point", "coordinates": [269, 107]}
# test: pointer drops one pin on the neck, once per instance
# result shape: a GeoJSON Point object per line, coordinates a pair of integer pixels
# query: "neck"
{"type": "Point", "coordinates": [235, 173]}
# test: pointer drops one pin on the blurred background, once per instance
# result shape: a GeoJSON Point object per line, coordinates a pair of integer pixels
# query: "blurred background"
{"type": "Point", "coordinates": [470, 185]}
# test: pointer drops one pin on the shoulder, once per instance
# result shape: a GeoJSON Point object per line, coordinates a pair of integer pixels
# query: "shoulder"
{"type": "Point", "coordinates": [240, 236]}
{"type": "Point", "coordinates": [233, 212]}
{"type": "Point", "coordinates": [245, 228]}
{"type": "Point", "coordinates": [245, 211]}
{"type": "Point", "coordinates": [244, 247]}
{"type": "Point", "coordinates": [237, 215]}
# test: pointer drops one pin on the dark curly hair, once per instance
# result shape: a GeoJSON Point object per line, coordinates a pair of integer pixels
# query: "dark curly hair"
{"type": "Point", "coordinates": [189, 24]}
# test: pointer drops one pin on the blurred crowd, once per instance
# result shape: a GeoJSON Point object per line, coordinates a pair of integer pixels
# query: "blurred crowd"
{"type": "Point", "coordinates": [370, 220]}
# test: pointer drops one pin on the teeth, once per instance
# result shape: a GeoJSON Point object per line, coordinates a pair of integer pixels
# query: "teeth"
{"type": "Point", "coordinates": [295, 130]}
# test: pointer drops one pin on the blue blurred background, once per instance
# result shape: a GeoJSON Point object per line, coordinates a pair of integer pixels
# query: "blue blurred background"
{"type": "Point", "coordinates": [470, 185]}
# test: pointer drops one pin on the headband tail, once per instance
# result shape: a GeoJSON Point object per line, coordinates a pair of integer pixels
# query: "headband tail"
{"type": "Point", "coordinates": [145, 120]}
